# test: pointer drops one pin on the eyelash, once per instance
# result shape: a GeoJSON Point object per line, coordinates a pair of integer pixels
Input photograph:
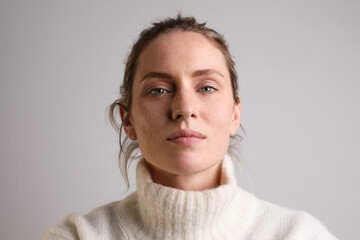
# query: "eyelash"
{"type": "Point", "coordinates": [209, 92]}
{"type": "Point", "coordinates": [155, 91]}
{"type": "Point", "coordinates": [152, 91]}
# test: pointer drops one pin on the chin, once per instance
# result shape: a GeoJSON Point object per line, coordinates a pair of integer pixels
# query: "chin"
{"type": "Point", "coordinates": [186, 164]}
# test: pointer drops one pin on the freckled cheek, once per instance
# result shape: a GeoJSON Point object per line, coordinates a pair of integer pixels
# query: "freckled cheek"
{"type": "Point", "coordinates": [148, 120]}
{"type": "Point", "coordinates": [152, 113]}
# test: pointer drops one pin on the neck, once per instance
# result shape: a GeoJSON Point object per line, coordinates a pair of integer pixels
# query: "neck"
{"type": "Point", "coordinates": [199, 181]}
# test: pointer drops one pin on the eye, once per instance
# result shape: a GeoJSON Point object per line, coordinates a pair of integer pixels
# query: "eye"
{"type": "Point", "coordinates": [158, 91]}
{"type": "Point", "coordinates": [207, 89]}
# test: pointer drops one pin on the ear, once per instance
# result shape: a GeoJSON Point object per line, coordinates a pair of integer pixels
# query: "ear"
{"type": "Point", "coordinates": [128, 127]}
{"type": "Point", "coordinates": [235, 118]}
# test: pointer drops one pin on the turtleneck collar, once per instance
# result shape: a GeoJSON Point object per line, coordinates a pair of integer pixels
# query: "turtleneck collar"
{"type": "Point", "coordinates": [169, 213]}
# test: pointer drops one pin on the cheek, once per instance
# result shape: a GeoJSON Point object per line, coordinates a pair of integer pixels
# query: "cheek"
{"type": "Point", "coordinates": [150, 113]}
{"type": "Point", "coordinates": [219, 122]}
{"type": "Point", "coordinates": [220, 115]}
{"type": "Point", "coordinates": [147, 120]}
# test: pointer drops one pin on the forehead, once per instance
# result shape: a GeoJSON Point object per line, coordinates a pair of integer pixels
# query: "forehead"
{"type": "Point", "coordinates": [181, 51]}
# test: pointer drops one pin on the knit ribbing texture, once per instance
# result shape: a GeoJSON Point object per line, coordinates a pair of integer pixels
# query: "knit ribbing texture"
{"type": "Point", "coordinates": [159, 212]}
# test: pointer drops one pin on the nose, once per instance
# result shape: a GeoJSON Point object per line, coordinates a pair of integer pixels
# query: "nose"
{"type": "Point", "coordinates": [184, 105]}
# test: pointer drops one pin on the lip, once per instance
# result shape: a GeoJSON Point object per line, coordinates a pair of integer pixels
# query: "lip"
{"type": "Point", "coordinates": [186, 137]}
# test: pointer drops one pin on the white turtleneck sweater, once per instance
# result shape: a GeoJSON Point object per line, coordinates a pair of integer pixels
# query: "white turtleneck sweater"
{"type": "Point", "coordinates": [158, 212]}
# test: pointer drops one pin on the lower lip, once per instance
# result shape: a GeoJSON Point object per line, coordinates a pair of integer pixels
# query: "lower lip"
{"type": "Point", "coordinates": [186, 140]}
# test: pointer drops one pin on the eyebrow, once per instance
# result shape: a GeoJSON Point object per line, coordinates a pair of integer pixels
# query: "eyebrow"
{"type": "Point", "coordinates": [197, 73]}
{"type": "Point", "coordinates": [156, 75]}
{"type": "Point", "coordinates": [207, 72]}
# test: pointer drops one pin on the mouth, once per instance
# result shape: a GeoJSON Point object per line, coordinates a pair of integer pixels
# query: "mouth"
{"type": "Point", "coordinates": [186, 137]}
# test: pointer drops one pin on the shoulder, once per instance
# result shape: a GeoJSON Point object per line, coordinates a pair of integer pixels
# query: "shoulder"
{"type": "Point", "coordinates": [101, 222]}
{"type": "Point", "coordinates": [283, 223]}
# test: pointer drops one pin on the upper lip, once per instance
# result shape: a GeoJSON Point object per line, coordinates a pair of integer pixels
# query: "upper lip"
{"type": "Point", "coordinates": [186, 133]}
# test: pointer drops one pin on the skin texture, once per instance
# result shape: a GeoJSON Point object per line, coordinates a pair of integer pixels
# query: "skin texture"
{"type": "Point", "coordinates": [182, 83]}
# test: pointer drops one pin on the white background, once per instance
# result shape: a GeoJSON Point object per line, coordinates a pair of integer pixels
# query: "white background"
{"type": "Point", "coordinates": [61, 64]}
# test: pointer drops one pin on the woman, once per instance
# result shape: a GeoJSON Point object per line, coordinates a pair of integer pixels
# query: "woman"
{"type": "Point", "coordinates": [179, 103]}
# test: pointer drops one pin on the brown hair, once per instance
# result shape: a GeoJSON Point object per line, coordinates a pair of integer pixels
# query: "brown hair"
{"type": "Point", "coordinates": [188, 24]}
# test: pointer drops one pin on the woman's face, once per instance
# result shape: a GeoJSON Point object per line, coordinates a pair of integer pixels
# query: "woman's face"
{"type": "Point", "coordinates": [183, 111]}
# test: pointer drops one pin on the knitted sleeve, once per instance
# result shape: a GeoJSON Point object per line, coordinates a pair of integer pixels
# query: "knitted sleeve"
{"type": "Point", "coordinates": [72, 227]}
{"type": "Point", "coordinates": [101, 223]}
{"type": "Point", "coordinates": [306, 226]}
{"type": "Point", "coordinates": [274, 222]}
